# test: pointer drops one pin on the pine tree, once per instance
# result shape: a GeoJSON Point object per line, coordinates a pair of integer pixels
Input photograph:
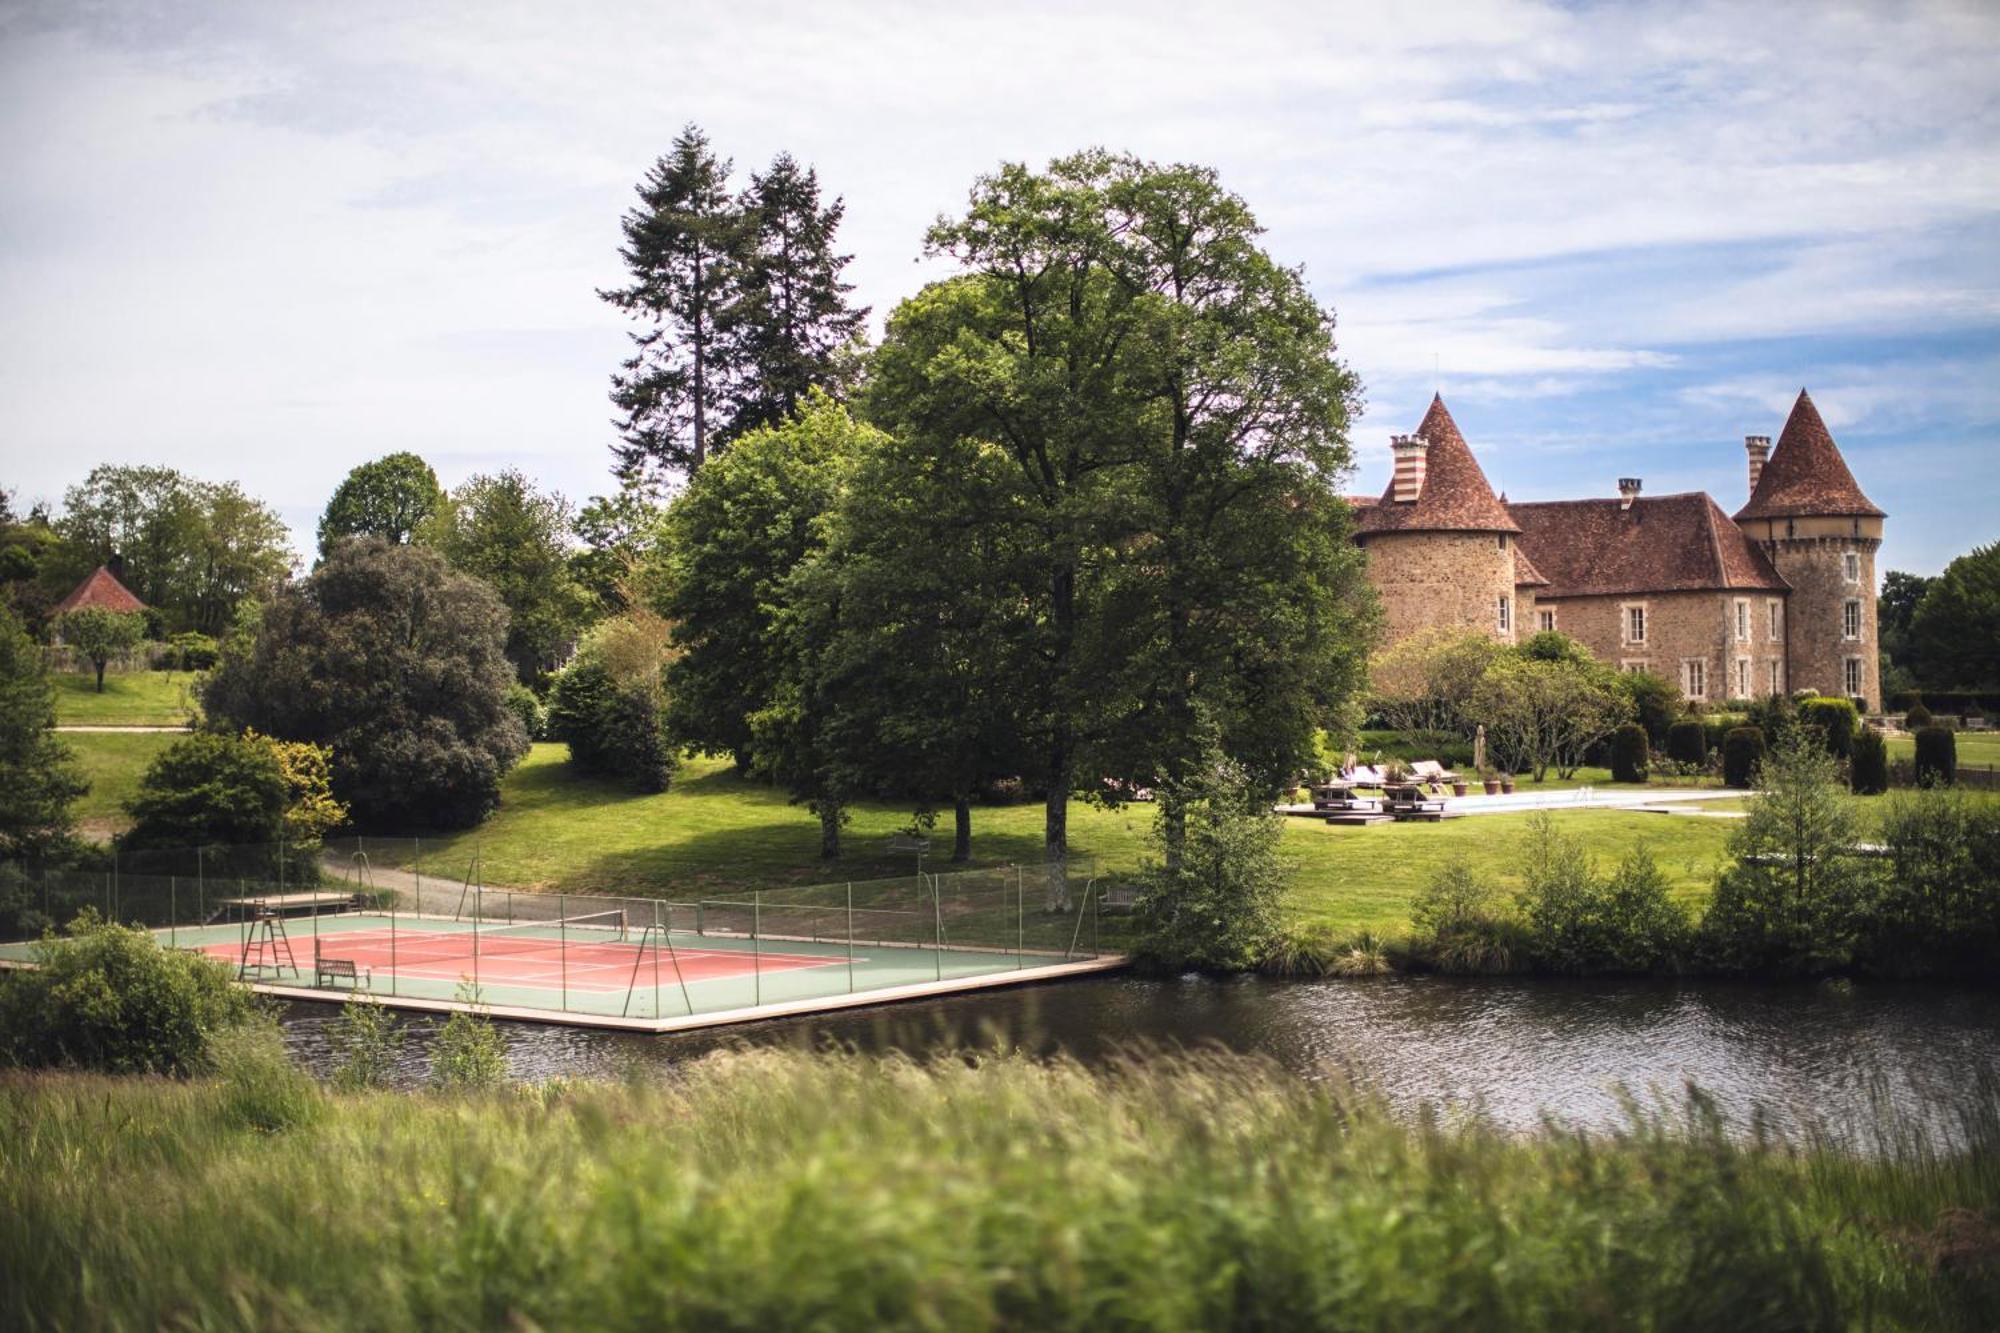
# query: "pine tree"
{"type": "Point", "coordinates": [683, 247]}
{"type": "Point", "coordinates": [791, 318]}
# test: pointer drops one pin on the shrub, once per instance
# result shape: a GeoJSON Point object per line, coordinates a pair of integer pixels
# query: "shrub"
{"type": "Point", "coordinates": [1869, 770]}
{"type": "Point", "coordinates": [1656, 702]}
{"type": "Point", "coordinates": [1836, 720]}
{"type": "Point", "coordinates": [523, 704]}
{"type": "Point", "coordinates": [1629, 754]}
{"type": "Point", "coordinates": [1218, 908]}
{"type": "Point", "coordinates": [108, 997]}
{"type": "Point", "coordinates": [467, 1054]}
{"type": "Point", "coordinates": [1938, 912]}
{"type": "Point", "coordinates": [207, 790]}
{"type": "Point", "coordinates": [613, 729]}
{"type": "Point", "coordinates": [397, 665]}
{"type": "Point", "coordinates": [190, 652]}
{"type": "Point", "coordinates": [1687, 742]}
{"type": "Point", "coordinates": [1579, 924]}
{"type": "Point", "coordinates": [39, 780]}
{"type": "Point", "coordinates": [1918, 716]}
{"type": "Point", "coordinates": [1742, 754]}
{"type": "Point", "coordinates": [1937, 757]}
{"type": "Point", "coordinates": [1459, 924]}
{"type": "Point", "coordinates": [366, 1039]}
{"type": "Point", "coordinates": [261, 1088]}
{"type": "Point", "coordinates": [1794, 900]}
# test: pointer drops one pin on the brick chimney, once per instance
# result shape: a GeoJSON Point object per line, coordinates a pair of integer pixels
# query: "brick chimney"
{"type": "Point", "coordinates": [1628, 491]}
{"type": "Point", "coordinates": [1412, 461]}
{"type": "Point", "coordinates": [1759, 449]}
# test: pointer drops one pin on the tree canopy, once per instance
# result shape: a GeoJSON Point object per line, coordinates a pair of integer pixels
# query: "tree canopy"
{"type": "Point", "coordinates": [1956, 627]}
{"type": "Point", "coordinates": [391, 498]}
{"type": "Point", "coordinates": [101, 635]}
{"type": "Point", "coordinates": [516, 538]}
{"type": "Point", "coordinates": [38, 777]}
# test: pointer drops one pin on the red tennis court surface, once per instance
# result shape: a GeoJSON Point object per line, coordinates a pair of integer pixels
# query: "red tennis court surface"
{"type": "Point", "coordinates": [499, 958]}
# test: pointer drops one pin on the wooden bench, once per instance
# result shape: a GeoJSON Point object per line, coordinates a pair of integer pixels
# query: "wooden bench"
{"type": "Point", "coordinates": [327, 970]}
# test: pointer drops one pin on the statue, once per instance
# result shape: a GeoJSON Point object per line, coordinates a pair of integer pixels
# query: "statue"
{"type": "Point", "coordinates": [1479, 749]}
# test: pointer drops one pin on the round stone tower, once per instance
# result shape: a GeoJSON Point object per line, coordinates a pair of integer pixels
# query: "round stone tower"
{"type": "Point", "coordinates": [1821, 534]}
{"type": "Point", "coordinates": [1440, 546]}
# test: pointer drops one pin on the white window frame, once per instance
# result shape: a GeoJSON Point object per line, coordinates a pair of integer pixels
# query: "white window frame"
{"type": "Point", "coordinates": [1742, 679]}
{"type": "Point", "coordinates": [1547, 617]}
{"type": "Point", "coordinates": [1506, 614]}
{"type": "Point", "coordinates": [1631, 615]}
{"type": "Point", "coordinates": [1850, 566]}
{"type": "Point", "coordinates": [1850, 610]}
{"type": "Point", "coordinates": [1631, 664]}
{"type": "Point", "coordinates": [1777, 676]}
{"type": "Point", "coordinates": [1853, 674]}
{"type": "Point", "coordinates": [1694, 677]}
{"type": "Point", "coordinates": [1742, 620]}
{"type": "Point", "coordinates": [1774, 610]}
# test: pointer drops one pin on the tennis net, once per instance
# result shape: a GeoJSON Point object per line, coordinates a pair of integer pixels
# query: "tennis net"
{"type": "Point", "coordinates": [535, 936]}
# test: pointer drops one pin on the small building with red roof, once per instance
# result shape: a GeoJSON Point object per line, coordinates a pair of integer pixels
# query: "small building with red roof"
{"type": "Point", "coordinates": [101, 590]}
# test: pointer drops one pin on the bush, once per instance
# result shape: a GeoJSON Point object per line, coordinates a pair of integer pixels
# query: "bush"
{"type": "Point", "coordinates": [190, 652]}
{"type": "Point", "coordinates": [614, 729]}
{"type": "Point", "coordinates": [1687, 742]}
{"type": "Point", "coordinates": [1937, 757]}
{"type": "Point", "coordinates": [1918, 716]}
{"type": "Point", "coordinates": [1836, 720]}
{"type": "Point", "coordinates": [1578, 924]}
{"type": "Point", "coordinates": [1742, 754]}
{"type": "Point", "coordinates": [523, 704]}
{"type": "Point", "coordinates": [1938, 913]}
{"type": "Point", "coordinates": [1656, 703]}
{"type": "Point", "coordinates": [209, 790]}
{"type": "Point", "coordinates": [109, 997]}
{"type": "Point", "coordinates": [1868, 772]}
{"type": "Point", "coordinates": [366, 1039]}
{"type": "Point", "coordinates": [1629, 754]}
{"type": "Point", "coordinates": [467, 1054]}
{"type": "Point", "coordinates": [261, 1088]}
{"type": "Point", "coordinates": [1459, 926]}
{"type": "Point", "coordinates": [398, 666]}
{"type": "Point", "coordinates": [1218, 909]}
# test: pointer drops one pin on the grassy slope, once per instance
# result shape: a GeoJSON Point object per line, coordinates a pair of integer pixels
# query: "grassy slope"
{"type": "Point", "coordinates": [778, 1189]}
{"type": "Point", "coordinates": [113, 762]}
{"type": "Point", "coordinates": [130, 699]}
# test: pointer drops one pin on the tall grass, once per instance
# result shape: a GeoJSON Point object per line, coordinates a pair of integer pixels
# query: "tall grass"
{"type": "Point", "coordinates": [773, 1189]}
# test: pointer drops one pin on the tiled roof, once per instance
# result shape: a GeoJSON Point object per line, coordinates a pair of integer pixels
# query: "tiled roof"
{"type": "Point", "coordinates": [1663, 543]}
{"type": "Point", "coordinates": [101, 589]}
{"type": "Point", "coordinates": [1455, 496]}
{"type": "Point", "coordinates": [1806, 474]}
{"type": "Point", "coordinates": [1525, 573]}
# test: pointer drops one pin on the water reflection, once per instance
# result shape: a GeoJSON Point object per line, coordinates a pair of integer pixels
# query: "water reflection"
{"type": "Point", "coordinates": [1515, 1049]}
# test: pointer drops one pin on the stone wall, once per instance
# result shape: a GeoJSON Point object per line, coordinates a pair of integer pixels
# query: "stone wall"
{"type": "Point", "coordinates": [1813, 561]}
{"type": "Point", "coordinates": [1455, 579]}
{"type": "Point", "coordinates": [1680, 627]}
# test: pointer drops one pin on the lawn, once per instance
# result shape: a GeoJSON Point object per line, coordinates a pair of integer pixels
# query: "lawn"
{"type": "Point", "coordinates": [113, 762]}
{"type": "Point", "coordinates": [130, 699]}
{"type": "Point", "coordinates": [1975, 748]}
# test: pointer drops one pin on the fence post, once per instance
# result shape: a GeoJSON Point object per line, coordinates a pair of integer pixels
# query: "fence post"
{"type": "Point", "coordinates": [392, 944]}
{"type": "Point", "coordinates": [1020, 923]}
{"type": "Point", "coordinates": [757, 945]}
{"type": "Point", "coordinates": [173, 911]}
{"type": "Point", "coordinates": [850, 937]}
{"type": "Point", "coordinates": [937, 924]}
{"type": "Point", "coordinates": [200, 888]}
{"type": "Point", "coordinates": [562, 945]}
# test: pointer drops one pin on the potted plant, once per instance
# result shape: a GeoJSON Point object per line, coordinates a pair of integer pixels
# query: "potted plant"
{"type": "Point", "coordinates": [1458, 788]}
{"type": "Point", "coordinates": [1507, 784]}
{"type": "Point", "coordinates": [1491, 783]}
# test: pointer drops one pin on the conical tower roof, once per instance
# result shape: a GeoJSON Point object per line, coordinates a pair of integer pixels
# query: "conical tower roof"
{"type": "Point", "coordinates": [1455, 496]}
{"type": "Point", "coordinates": [100, 589]}
{"type": "Point", "coordinates": [1806, 474]}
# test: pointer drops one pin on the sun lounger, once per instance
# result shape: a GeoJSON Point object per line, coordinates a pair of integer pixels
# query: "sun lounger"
{"type": "Point", "coordinates": [1430, 770]}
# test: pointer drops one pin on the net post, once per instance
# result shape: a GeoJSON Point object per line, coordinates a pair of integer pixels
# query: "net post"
{"type": "Point", "coordinates": [757, 946]}
{"type": "Point", "coordinates": [850, 937]}
{"type": "Point", "coordinates": [656, 959]}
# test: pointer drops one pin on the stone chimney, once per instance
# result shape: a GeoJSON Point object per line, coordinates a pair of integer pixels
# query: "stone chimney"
{"type": "Point", "coordinates": [1759, 449]}
{"type": "Point", "coordinates": [1412, 461]}
{"type": "Point", "coordinates": [1628, 491]}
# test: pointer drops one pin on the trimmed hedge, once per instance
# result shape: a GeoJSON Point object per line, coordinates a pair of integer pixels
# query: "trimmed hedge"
{"type": "Point", "coordinates": [1918, 716]}
{"type": "Point", "coordinates": [1869, 769]}
{"type": "Point", "coordinates": [1937, 757]}
{"type": "Point", "coordinates": [1687, 741]}
{"type": "Point", "coordinates": [1629, 753]}
{"type": "Point", "coordinates": [1835, 719]}
{"type": "Point", "coordinates": [1742, 752]}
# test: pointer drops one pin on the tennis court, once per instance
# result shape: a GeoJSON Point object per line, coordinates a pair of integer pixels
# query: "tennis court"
{"type": "Point", "coordinates": [654, 964]}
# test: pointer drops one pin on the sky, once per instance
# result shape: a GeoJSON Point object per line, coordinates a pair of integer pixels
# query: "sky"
{"type": "Point", "coordinates": [269, 241]}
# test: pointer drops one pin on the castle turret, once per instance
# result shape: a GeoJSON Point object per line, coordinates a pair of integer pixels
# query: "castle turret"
{"type": "Point", "coordinates": [1821, 534]}
{"type": "Point", "coordinates": [1440, 547]}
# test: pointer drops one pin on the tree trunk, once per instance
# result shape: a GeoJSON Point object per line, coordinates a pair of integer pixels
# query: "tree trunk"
{"type": "Point", "coordinates": [829, 831]}
{"type": "Point", "coordinates": [1055, 830]}
{"type": "Point", "coordinates": [100, 677]}
{"type": "Point", "coordinates": [961, 837]}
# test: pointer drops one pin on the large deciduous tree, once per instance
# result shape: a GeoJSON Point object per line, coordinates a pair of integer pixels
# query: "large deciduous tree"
{"type": "Point", "coordinates": [1956, 628]}
{"type": "Point", "coordinates": [1175, 415]}
{"type": "Point", "coordinates": [391, 498]}
{"type": "Point", "coordinates": [38, 778]}
{"type": "Point", "coordinates": [684, 250]}
{"type": "Point", "coordinates": [516, 538]}
{"type": "Point", "coordinates": [398, 665]}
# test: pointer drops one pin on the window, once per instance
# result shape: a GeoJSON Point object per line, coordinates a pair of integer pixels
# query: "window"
{"type": "Point", "coordinates": [1851, 677]}
{"type": "Point", "coordinates": [1777, 679]}
{"type": "Point", "coordinates": [1506, 615]}
{"type": "Point", "coordinates": [1742, 690]}
{"type": "Point", "coordinates": [1850, 567]}
{"type": "Point", "coordinates": [1774, 610]}
{"type": "Point", "coordinates": [1547, 618]}
{"type": "Point", "coordinates": [1742, 620]}
{"type": "Point", "coordinates": [1636, 664]}
{"type": "Point", "coordinates": [1503, 541]}
{"type": "Point", "coordinates": [1694, 678]}
{"type": "Point", "coordinates": [1635, 624]}
{"type": "Point", "coordinates": [1850, 618]}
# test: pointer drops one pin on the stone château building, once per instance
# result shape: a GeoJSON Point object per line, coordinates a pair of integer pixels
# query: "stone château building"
{"type": "Point", "coordinates": [1779, 598]}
